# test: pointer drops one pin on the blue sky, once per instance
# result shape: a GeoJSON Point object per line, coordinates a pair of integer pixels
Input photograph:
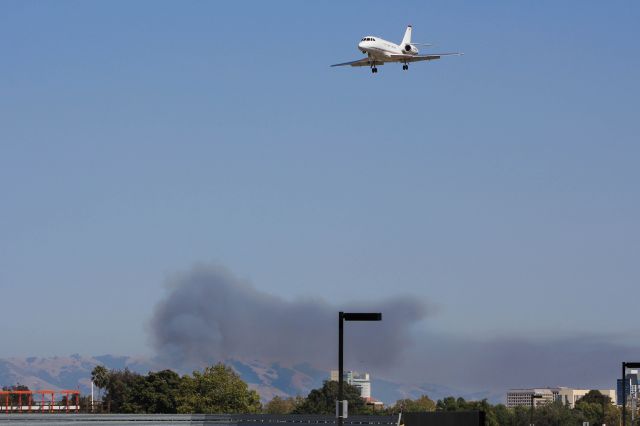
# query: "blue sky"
{"type": "Point", "coordinates": [139, 138]}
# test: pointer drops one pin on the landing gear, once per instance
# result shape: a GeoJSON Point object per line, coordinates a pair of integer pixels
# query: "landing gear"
{"type": "Point", "coordinates": [405, 67]}
{"type": "Point", "coordinates": [374, 70]}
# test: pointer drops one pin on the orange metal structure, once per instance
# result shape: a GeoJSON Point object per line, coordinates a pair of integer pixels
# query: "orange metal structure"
{"type": "Point", "coordinates": [68, 394]}
{"type": "Point", "coordinates": [49, 404]}
{"type": "Point", "coordinates": [46, 403]}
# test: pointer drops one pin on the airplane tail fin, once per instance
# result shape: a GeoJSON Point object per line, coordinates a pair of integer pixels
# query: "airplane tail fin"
{"type": "Point", "coordinates": [407, 37]}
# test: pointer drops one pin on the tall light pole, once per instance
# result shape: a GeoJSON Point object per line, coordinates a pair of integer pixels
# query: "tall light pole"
{"type": "Point", "coordinates": [626, 365]}
{"type": "Point", "coordinates": [533, 396]}
{"type": "Point", "coordinates": [342, 317]}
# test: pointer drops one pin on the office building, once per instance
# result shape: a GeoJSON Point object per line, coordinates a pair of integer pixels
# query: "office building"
{"type": "Point", "coordinates": [631, 387]}
{"type": "Point", "coordinates": [523, 397]}
{"type": "Point", "coordinates": [361, 381]}
{"type": "Point", "coordinates": [565, 395]}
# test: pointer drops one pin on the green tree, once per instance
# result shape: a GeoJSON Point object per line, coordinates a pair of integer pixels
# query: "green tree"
{"type": "Point", "coordinates": [123, 388]}
{"type": "Point", "coordinates": [217, 389]}
{"type": "Point", "coordinates": [501, 415]}
{"type": "Point", "coordinates": [421, 404]}
{"type": "Point", "coordinates": [100, 378]}
{"type": "Point", "coordinates": [594, 405]}
{"type": "Point", "coordinates": [595, 397]}
{"type": "Point", "coordinates": [450, 404]}
{"type": "Point", "coordinates": [555, 414]}
{"type": "Point", "coordinates": [323, 400]}
{"type": "Point", "coordinates": [482, 405]}
{"type": "Point", "coordinates": [159, 392]}
{"type": "Point", "coordinates": [283, 405]}
{"type": "Point", "coordinates": [521, 416]}
{"type": "Point", "coordinates": [14, 398]}
{"type": "Point", "coordinates": [494, 415]}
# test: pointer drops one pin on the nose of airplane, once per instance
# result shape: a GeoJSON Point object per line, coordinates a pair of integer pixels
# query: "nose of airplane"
{"type": "Point", "coordinates": [361, 44]}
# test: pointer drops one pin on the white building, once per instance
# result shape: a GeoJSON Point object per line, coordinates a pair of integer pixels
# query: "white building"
{"type": "Point", "coordinates": [571, 396]}
{"type": "Point", "coordinates": [361, 381]}
{"type": "Point", "coordinates": [517, 397]}
{"type": "Point", "coordinates": [568, 396]}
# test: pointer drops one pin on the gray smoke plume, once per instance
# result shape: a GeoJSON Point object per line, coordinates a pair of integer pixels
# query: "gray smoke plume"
{"type": "Point", "coordinates": [497, 364]}
{"type": "Point", "coordinates": [210, 315]}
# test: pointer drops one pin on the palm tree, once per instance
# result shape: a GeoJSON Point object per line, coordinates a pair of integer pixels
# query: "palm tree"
{"type": "Point", "coordinates": [100, 378]}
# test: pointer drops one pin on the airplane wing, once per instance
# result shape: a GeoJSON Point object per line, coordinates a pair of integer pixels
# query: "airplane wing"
{"type": "Point", "coordinates": [364, 62]}
{"type": "Point", "coordinates": [416, 58]}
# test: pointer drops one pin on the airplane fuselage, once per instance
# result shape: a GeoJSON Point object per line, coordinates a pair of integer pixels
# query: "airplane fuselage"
{"type": "Point", "coordinates": [377, 48]}
{"type": "Point", "coordinates": [380, 51]}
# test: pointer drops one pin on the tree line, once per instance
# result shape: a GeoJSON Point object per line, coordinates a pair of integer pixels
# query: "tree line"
{"type": "Point", "coordinates": [219, 389]}
{"type": "Point", "coordinates": [216, 389]}
{"type": "Point", "coordinates": [594, 408]}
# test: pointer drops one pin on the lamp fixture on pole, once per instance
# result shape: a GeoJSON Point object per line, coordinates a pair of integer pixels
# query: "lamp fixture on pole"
{"type": "Point", "coordinates": [341, 411]}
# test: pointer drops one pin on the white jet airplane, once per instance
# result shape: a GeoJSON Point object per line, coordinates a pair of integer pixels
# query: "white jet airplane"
{"type": "Point", "coordinates": [380, 51]}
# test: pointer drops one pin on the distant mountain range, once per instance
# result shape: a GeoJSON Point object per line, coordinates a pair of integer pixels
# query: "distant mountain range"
{"type": "Point", "coordinates": [269, 379]}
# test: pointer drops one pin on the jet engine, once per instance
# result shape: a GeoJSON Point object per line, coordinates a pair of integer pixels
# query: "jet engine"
{"type": "Point", "coordinates": [408, 48]}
